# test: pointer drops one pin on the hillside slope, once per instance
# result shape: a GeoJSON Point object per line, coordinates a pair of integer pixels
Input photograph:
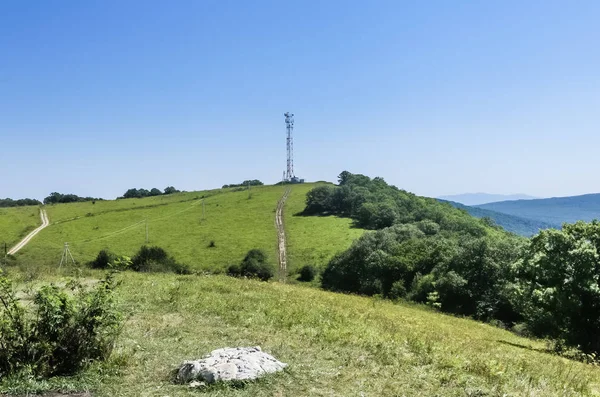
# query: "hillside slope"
{"type": "Point", "coordinates": [335, 345]}
{"type": "Point", "coordinates": [512, 223]}
{"type": "Point", "coordinates": [237, 220]}
{"type": "Point", "coordinates": [554, 211]}
{"type": "Point", "coordinates": [16, 222]}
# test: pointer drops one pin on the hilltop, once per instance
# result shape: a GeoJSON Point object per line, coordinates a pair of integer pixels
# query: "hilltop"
{"type": "Point", "coordinates": [554, 211]}
{"type": "Point", "coordinates": [234, 219]}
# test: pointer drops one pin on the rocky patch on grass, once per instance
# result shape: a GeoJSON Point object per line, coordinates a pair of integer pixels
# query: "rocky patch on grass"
{"type": "Point", "coordinates": [229, 364]}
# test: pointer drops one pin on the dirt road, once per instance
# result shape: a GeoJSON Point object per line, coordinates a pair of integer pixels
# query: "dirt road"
{"type": "Point", "coordinates": [31, 235]}
{"type": "Point", "coordinates": [281, 236]}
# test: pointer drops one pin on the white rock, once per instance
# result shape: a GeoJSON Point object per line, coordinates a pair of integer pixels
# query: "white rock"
{"type": "Point", "coordinates": [230, 363]}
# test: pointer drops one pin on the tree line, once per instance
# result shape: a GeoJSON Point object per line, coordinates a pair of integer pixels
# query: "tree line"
{"type": "Point", "coordinates": [253, 182]}
{"type": "Point", "coordinates": [430, 252]}
{"type": "Point", "coordinates": [56, 198]}
{"type": "Point", "coordinates": [141, 193]}
{"type": "Point", "coordinates": [8, 202]}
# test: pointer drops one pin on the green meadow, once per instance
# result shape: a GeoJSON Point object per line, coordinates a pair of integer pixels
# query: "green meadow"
{"type": "Point", "coordinates": [16, 222]}
{"type": "Point", "coordinates": [335, 344]}
{"type": "Point", "coordinates": [185, 224]}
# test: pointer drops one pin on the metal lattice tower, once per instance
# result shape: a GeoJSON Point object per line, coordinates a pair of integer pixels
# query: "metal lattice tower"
{"type": "Point", "coordinates": [289, 123]}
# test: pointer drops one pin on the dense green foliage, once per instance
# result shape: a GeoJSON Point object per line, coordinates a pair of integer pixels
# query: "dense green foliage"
{"type": "Point", "coordinates": [253, 182]}
{"type": "Point", "coordinates": [463, 265]}
{"type": "Point", "coordinates": [61, 332]}
{"type": "Point", "coordinates": [424, 250]}
{"type": "Point", "coordinates": [8, 202]}
{"type": "Point", "coordinates": [460, 274]}
{"type": "Point", "coordinates": [141, 193]}
{"type": "Point", "coordinates": [254, 265]}
{"type": "Point", "coordinates": [514, 224]}
{"type": "Point", "coordinates": [56, 198]}
{"type": "Point", "coordinates": [307, 273]}
{"type": "Point", "coordinates": [147, 259]}
{"type": "Point", "coordinates": [554, 211]}
{"type": "Point", "coordinates": [373, 204]}
{"type": "Point", "coordinates": [559, 285]}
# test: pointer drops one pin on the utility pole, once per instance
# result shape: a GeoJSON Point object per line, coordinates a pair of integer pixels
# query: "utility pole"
{"type": "Point", "coordinates": [203, 213]}
{"type": "Point", "coordinates": [147, 239]}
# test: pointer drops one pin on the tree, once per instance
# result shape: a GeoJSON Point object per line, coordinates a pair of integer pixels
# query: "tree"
{"type": "Point", "coordinates": [132, 193]}
{"type": "Point", "coordinates": [319, 199]}
{"type": "Point", "coordinates": [255, 265]}
{"type": "Point", "coordinates": [170, 190]}
{"type": "Point", "coordinates": [155, 192]}
{"type": "Point", "coordinates": [559, 285]}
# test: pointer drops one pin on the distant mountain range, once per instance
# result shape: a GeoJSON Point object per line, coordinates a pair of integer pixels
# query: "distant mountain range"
{"type": "Point", "coordinates": [514, 224]}
{"type": "Point", "coordinates": [527, 216]}
{"type": "Point", "coordinates": [483, 198]}
{"type": "Point", "coordinates": [555, 211]}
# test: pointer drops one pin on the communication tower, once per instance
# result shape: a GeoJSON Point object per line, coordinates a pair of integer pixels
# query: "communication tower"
{"type": "Point", "coordinates": [289, 124]}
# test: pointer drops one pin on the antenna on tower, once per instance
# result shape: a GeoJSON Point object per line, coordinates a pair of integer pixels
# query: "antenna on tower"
{"type": "Point", "coordinates": [289, 123]}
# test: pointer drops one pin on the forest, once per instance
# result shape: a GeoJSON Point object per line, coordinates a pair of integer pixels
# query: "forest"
{"type": "Point", "coordinates": [427, 251]}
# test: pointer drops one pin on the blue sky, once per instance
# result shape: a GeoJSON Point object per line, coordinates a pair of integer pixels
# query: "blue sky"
{"type": "Point", "coordinates": [437, 97]}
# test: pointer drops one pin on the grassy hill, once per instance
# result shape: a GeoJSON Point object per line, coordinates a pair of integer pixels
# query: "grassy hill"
{"type": "Point", "coordinates": [512, 223]}
{"type": "Point", "coordinates": [237, 220]}
{"type": "Point", "coordinates": [16, 222]}
{"type": "Point", "coordinates": [335, 345]}
{"type": "Point", "coordinates": [554, 211]}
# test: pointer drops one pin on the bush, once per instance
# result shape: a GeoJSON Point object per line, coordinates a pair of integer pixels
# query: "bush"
{"type": "Point", "coordinates": [103, 260]}
{"type": "Point", "coordinates": [212, 244]}
{"type": "Point", "coordinates": [61, 332]}
{"type": "Point", "coordinates": [234, 270]}
{"type": "Point", "coordinates": [156, 259]}
{"type": "Point", "coordinates": [108, 260]}
{"type": "Point", "coordinates": [307, 273]}
{"type": "Point", "coordinates": [255, 265]}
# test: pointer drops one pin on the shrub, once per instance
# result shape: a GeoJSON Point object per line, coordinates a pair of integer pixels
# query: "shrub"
{"type": "Point", "coordinates": [61, 332]}
{"type": "Point", "coordinates": [398, 290]}
{"type": "Point", "coordinates": [234, 270]}
{"type": "Point", "coordinates": [255, 265]}
{"type": "Point", "coordinates": [103, 260]}
{"type": "Point", "coordinates": [307, 273]}
{"type": "Point", "coordinates": [212, 244]}
{"type": "Point", "coordinates": [156, 259]}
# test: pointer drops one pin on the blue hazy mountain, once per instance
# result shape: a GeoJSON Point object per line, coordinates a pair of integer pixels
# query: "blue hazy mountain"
{"type": "Point", "coordinates": [554, 211]}
{"type": "Point", "coordinates": [483, 198]}
{"type": "Point", "coordinates": [514, 224]}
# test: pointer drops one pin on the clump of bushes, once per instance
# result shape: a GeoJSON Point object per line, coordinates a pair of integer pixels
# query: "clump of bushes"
{"type": "Point", "coordinates": [307, 273]}
{"type": "Point", "coordinates": [62, 332]}
{"type": "Point", "coordinates": [156, 259]}
{"type": "Point", "coordinates": [254, 265]}
{"type": "Point", "coordinates": [147, 259]}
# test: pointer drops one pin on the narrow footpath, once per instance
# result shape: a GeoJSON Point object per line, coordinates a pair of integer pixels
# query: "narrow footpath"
{"type": "Point", "coordinates": [281, 236]}
{"type": "Point", "coordinates": [31, 235]}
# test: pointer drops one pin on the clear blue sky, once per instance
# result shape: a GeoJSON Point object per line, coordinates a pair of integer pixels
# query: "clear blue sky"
{"type": "Point", "coordinates": [437, 97]}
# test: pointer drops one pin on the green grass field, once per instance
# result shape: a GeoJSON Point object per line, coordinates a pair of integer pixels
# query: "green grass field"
{"type": "Point", "coordinates": [335, 345]}
{"type": "Point", "coordinates": [313, 240]}
{"type": "Point", "coordinates": [236, 220]}
{"type": "Point", "coordinates": [16, 222]}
